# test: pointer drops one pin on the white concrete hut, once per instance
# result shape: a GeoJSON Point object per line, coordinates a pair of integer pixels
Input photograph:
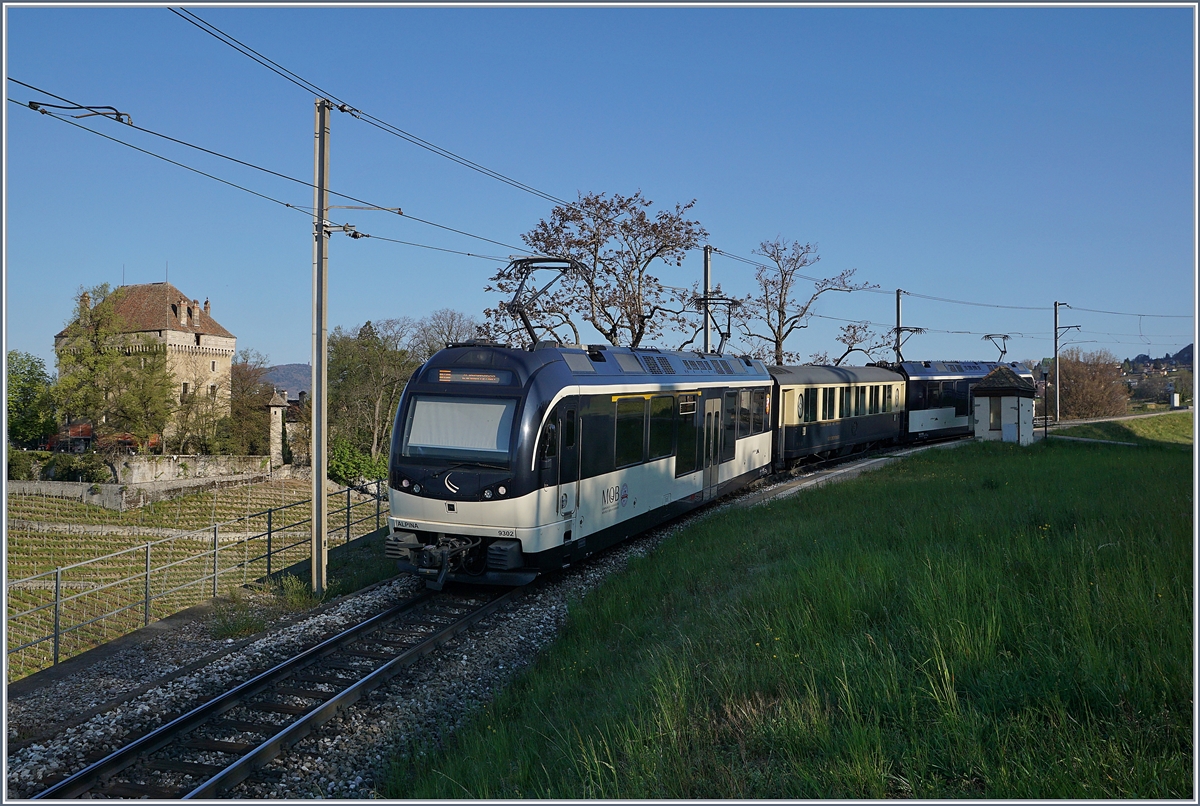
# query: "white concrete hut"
{"type": "Point", "coordinates": [1004, 407]}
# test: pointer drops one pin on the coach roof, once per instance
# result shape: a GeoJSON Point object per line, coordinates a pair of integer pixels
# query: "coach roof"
{"type": "Point", "coordinates": [808, 374]}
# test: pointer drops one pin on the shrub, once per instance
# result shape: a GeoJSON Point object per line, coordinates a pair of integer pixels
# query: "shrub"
{"type": "Point", "coordinates": [20, 465]}
{"type": "Point", "coordinates": [349, 465]}
{"type": "Point", "coordinates": [77, 467]}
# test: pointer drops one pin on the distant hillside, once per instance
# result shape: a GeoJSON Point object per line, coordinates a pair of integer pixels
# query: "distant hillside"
{"type": "Point", "coordinates": [294, 378]}
{"type": "Point", "coordinates": [1182, 358]}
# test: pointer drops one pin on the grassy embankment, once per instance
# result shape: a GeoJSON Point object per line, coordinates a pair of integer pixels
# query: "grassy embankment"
{"type": "Point", "coordinates": [990, 622]}
{"type": "Point", "coordinates": [1166, 429]}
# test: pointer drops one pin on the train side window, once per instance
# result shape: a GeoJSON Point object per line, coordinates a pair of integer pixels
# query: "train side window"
{"type": "Point", "coordinates": [758, 408]}
{"type": "Point", "coordinates": [687, 436]}
{"type": "Point", "coordinates": [568, 431]}
{"type": "Point", "coordinates": [596, 452]}
{"type": "Point", "coordinates": [810, 405]}
{"type": "Point", "coordinates": [800, 405]}
{"type": "Point", "coordinates": [860, 401]}
{"type": "Point", "coordinates": [744, 419]}
{"type": "Point", "coordinates": [962, 399]}
{"type": "Point", "coordinates": [887, 398]}
{"type": "Point", "coordinates": [844, 409]}
{"type": "Point", "coordinates": [631, 431]}
{"type": "Point", "coordinates": [549, 440]}
{"type": "Point", "coordinates": [935, 395]}
{"type": "Point", "coordinates": [729, 426]}
{"type": "Point", "coordinates": [662, 422]}
{"type": "Point", "coordinates": [876, 393]}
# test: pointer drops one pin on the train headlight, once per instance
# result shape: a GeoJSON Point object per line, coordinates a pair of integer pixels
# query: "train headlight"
{"type": "Point", "coordinates": [487, 494]}
{"type": "Point", "coordinates": [405, 484]}
{"type": "Point", "coordinates": [502, 490]}
{"type": "Point", "coordinates": [416, 488]}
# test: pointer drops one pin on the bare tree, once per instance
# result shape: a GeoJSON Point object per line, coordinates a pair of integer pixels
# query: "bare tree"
{"type": "Point", "coordinates": [1091, 384]}
{"type": "Point", "coordinates": [617, 240]}
{"type": "Point", "coordinates": [857, 337]}
{"type": "Point", "coordinates": [776, 302]}
{"type": "Point", "coordinates": [443, 326]}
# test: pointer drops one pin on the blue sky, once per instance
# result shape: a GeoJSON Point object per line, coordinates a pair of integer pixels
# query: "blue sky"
{"type": "Point", "coordinates": [1003, 156]}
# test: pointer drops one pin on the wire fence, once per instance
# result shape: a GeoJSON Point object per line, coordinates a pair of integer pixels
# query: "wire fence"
{"type": "Point", "coordinates": [57, 614]}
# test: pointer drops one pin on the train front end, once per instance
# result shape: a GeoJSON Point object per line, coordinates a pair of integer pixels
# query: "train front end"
{"type": "Point", "coordinates": [464, 504]}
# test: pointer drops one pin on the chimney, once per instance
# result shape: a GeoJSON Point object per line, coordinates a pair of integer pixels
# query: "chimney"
{"type": "Point", "coordinates": [85, 301]}
{"type": "Point", "coordinates": [206, 306]}
{"type": "Point", "coordinates": [183, 311]}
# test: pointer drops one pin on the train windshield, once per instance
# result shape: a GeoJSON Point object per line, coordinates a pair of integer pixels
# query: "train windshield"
{"type": "Point", "coordinates": [459, 429]}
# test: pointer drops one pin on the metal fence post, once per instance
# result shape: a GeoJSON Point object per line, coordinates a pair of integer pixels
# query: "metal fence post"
{"type": "Point", "coordinates": [378, 484]}
{"type": "Point", "coordinates": [215, 561]}
{"type": "Point", "coordinates": [146, 620]}
{"type": "Point", "coordinates": [347, 514]}
{"type": "Point", "coordinates": [57, 609]}
{"type": "Point", "coordinates": [269, 513]}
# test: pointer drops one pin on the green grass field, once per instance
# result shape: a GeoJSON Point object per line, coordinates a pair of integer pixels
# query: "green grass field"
{"type": "Point", "coordinates": [1175, 428]}
{"type": "Point", "coordinates": [986, 622]}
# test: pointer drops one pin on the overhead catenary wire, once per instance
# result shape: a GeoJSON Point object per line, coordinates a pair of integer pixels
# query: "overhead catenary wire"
{"type": "Point", "coordinates": [760, 264]}
{"type": "Point", "coordinates": [307, 211]}
{"type": "Point", "coordinates": [276, 174]}
{"type": "Point", "coordinates": [348, 108]}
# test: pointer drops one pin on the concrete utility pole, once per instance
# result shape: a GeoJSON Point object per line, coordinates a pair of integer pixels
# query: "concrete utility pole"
{"type": "Point", "coordinates": [707, 286]}
{"type": "Point", "coordinates": [320, 345]}
{"type": "Point", "coordinates": [898, 293]}
{"type": "Point", "coordinates": [1058, 331]}
{"type": "Point", "coordinates": [1056, 376]}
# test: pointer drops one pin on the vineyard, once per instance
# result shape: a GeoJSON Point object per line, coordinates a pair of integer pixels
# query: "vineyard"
{"type": "Point", "coordinates": [81, 575]}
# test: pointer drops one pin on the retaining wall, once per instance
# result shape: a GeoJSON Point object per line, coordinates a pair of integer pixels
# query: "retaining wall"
{"type": "Point", "coordinates": [120, 497]}
{"type": "Point", "coordinates": [146, 469]}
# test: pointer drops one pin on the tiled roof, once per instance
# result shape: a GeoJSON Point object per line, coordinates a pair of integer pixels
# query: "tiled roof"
{"type": "Point", "coordinates": [1003, 380]}
{"type": "Point", "coordinates": [148, 306]}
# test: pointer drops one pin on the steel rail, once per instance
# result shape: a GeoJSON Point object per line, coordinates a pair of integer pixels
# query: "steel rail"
{"type": "Point", "coordinates": [239, 770]}
{"type": "Point", "coordinates": [114, 762]}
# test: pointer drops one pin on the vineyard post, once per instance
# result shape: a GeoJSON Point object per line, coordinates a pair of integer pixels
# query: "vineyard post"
{"type": "Point", "coordinates": [215, 561]}
{"type": "Point", "coordinates": [347, 514]}
{"type": "Point", "coordinates": [57, 609]}
{"type": "Point", "coordinates": [146, 620]}
{"type": "Point", "coordinates": [269, 513]}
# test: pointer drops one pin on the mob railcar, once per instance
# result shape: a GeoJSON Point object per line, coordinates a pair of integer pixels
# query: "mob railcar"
{"type": "Point", "coordinates": [506, 463]}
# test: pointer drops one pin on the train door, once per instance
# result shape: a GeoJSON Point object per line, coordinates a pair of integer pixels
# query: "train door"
{"type": "Point", "coordinates": [712, 444]}
{"type": "Point", "coordinates": [568, 460]}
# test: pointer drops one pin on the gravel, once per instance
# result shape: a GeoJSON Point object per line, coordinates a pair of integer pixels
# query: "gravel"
{"type": "Point", "coordinates": [347, 755]}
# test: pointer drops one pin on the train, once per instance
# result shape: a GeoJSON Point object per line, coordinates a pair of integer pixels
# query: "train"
{"type": "Point", "coordinates": [510, 463]}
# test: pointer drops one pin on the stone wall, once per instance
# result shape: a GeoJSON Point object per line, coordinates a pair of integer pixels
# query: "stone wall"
{"type": "Point", "coordinates": [145, 469]}
{"type": "Point", "coordinates": [121, 497]}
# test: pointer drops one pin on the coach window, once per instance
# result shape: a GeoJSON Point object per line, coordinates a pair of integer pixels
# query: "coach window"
{"type": "Point", "coordinates": [844, 408]}
{"type": "Point", "coordinates": [860, 401]}
{"type": "Point", "coordinates": [887, 398]}
{"type": "Point", "coordinates": [729, 425]}
{"type": "Point", "coordinates": [962, 399]}
{"type": "Point", "coordinates": [758, 408]}
{"type": "Point", "coordinates": [662, 421]}
{"type": "Point", "coordinates": [568, 434]}
{"type": "Point", "coordinates": [744, 413]}
{"type": "Point", "coordinates": [631, 431]}
{"type": "Point", "coordinates": [687, 436]}
{"type": "Point", "coordinates": [596, 452]}
{"type": "Point", "coordinates": [935, 395]}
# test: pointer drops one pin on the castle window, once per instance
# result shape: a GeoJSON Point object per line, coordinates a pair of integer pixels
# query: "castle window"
{"type": "Point", "coordinates": [197, 339]}
{"type": "Point", "coordinates": [212, 390]}
{"type": "Point", "coordinates": [214, 366]}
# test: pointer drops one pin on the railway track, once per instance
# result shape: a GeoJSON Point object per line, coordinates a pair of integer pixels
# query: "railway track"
{"type": "Point", "coordinates": [227, 739]}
